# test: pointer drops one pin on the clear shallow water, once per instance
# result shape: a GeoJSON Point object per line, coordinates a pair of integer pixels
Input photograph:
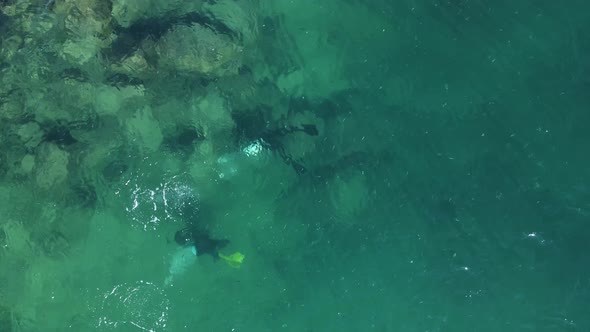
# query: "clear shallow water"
{"type": "Point", "coordinates": [445, 190]}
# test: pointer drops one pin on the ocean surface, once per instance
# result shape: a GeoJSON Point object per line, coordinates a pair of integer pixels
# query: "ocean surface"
{"type": "Point", "coordinates": [378, 165]}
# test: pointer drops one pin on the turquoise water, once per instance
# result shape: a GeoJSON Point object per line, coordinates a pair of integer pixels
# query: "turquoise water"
{"type": "Point", "coordinates": [395, 166]}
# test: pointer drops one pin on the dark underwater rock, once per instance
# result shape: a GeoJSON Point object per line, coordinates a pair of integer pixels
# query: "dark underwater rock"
{"type": "Point", "coordinates": [5, 319]}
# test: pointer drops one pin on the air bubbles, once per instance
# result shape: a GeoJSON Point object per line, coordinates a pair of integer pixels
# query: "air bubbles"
{"type": "Point", "coordinates": [535, 237]}
{"type": "Point", "coordinates": [173, 199]}
{"type": "Point", "coordinates": [140, 304]}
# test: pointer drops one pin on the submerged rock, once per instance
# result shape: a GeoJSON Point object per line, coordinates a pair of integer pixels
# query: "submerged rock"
{"type": "Point", "coordinates": [88, 26]}
{"type": "Point", "coordinates": [128, 12]}
{"type": "Point", "coordinates": [238, 16]}
{"type": "Point", "coordinates": [27, 164]}
{"type": "Point", "coordinates": [144, 130]}
{"type": "Point", "coordinates": [5, 319]}
{"type": "Point", "coordinates": [30, 134]}
{"type": "Point", "coordinates": [349, 195]}
{"type": "Point", "coordinates": [134, 65]}
{"type": "Point", "coordinates": [52, 169]}
{"type": "Point", "coordinates": [11, 109]}
{"type": "Point", "coordinates": [10, 47]}
{"type": "Point", "coordinates": [196, 49]}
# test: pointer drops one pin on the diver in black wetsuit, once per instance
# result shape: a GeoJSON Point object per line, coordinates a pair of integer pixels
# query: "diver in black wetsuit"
{"type": "Point", "coordinates": [184, 203]}
{"type": "Point", "coordinates": [201, 239]}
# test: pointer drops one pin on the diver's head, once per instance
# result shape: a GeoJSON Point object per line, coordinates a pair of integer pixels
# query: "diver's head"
{"type": "Point", "coordinates": [183, 237]}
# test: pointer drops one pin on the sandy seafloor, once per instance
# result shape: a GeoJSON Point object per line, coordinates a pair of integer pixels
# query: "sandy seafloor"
{"type": "Point", "coordinates": [444, 186]}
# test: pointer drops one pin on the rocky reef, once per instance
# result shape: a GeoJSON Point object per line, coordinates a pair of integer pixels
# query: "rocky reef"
{"type": "Point", "coordinates": [91, 91]}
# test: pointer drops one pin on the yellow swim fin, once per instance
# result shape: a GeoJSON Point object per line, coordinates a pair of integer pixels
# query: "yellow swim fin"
{"type": "Point", "coordinates": [234, 260]}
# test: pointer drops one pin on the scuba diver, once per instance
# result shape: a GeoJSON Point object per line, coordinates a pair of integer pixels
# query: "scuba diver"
{"type": "Point", "coordinates": [194, 238]}
{"type": "Point", "coordinates": [204, 244]}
